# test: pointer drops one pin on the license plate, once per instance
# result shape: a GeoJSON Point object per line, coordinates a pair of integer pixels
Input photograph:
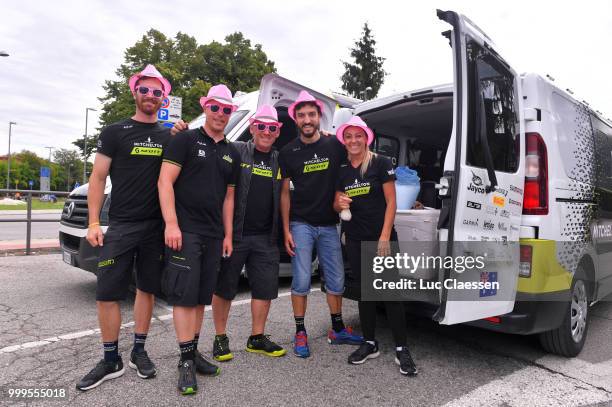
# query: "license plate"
{"type": "Point", "coordinates": [67, 257]}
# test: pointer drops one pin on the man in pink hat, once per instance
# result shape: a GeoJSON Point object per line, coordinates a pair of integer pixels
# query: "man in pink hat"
{"type": "Point", "coordinates": [255, 236]}
{"type": "Point", "coordinates": [196, 190]}
{"type": "Point", "coordinates": [130, 151]}
{"type": "Point", "coordinates": [311, 162]}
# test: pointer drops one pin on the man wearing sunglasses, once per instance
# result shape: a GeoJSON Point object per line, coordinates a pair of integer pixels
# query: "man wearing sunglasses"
{"type": "Point", "coordinates": [130, 151]}
{"type": "Point", "coordinates": [255, 238]}
{"type": "Point", "coordinates": [196, 192]}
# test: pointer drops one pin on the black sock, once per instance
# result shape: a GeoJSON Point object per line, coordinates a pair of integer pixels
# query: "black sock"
{"type": "Point", "coordinates": [256, 337]}
{"type": "Point", "coordinates": [139, 342]}
{"type": "Point", "coordinates": [111, 351]}
{"type": "Point", "coordinates": [187, 351]}
{"type": "Point", "coordinates": [299, 324]}
{"type": "Point", "coordinates": [337, 323]}
{"type": "Point", "coordinates": [221, 336]}
{"type": "Point", "coordinates": [195, 341]}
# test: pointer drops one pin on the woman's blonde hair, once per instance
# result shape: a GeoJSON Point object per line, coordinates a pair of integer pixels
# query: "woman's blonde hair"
{"type": "Point", "coordinates": [367, 159]}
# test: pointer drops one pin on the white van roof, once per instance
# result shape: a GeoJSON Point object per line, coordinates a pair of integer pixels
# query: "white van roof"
{"type": "Point", "coordinates": [384, 101]}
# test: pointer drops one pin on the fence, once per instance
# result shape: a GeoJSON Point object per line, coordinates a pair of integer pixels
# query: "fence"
{"type": "Point", "coordinates": [28, 219]}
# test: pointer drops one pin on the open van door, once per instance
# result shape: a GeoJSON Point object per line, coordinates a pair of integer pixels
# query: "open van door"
{"type": "Point", "coordinates": [484, 174]}
{"type": "Point", "coordinates": [279, 92]}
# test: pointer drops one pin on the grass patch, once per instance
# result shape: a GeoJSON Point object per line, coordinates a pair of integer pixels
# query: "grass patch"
{"type": "Point", "coordinates": [36, 204]}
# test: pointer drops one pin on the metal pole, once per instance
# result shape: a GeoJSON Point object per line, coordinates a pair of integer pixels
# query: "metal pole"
{"type": "Point", "coordinates": [85, 149]}
{"type": "Point", "coordinates": [8, 167]}
{"type": "Point", "coordinates": [87, 109]}
{"type": "Point", "coordinates": [29, 224]}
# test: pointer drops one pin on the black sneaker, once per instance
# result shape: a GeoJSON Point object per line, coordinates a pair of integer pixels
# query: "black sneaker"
{"type": "Point", "coordinates": [187, 382]}
{"type": "Point", "coordinates": [264, 346]}
{"type": "Point", "coordinates": [145, 368]}
{"type": "Point", "coordinates": [102, 372]}
{"type": "Point", "coordinates": [221, 350]}
{"type": "Point", "coordinates": [405, 362]}
{"type": "Point", "coordinates": [203, 366]}
{"type": "Point", "coordinates": [364, 352]}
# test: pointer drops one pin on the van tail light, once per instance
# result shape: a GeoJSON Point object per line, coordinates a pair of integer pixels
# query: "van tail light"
{"type": "Point", "coordinates": [495, 320]}
{"type": "Point", "coordinates": [525, 264]}
{"type": "Point", "coordinates": [536, 176]}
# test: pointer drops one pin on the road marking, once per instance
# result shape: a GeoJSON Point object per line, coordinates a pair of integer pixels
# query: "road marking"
{"type": "Point", "coordinates": [90, 332]}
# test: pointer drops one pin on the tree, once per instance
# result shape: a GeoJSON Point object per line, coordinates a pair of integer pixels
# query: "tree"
{"type": "Point", "coordinates": [67, 169]}
{"type": "Point", "coordinates": [92, 144]}
{"type": "Point", "coordinates": [367, 71]}
{"type": "Point", "coordinates": [191, 69]}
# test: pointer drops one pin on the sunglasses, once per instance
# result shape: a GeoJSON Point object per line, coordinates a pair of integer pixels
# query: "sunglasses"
{"type": "Point", "coordinates": [215, 109]}
{"type": "Point", "coordinates": [263, 127]}
{"type": "Point", "coordinates": [143, 90]}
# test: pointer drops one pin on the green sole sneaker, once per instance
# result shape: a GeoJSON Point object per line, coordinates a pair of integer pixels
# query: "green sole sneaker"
{"type": "Point", "coordinates": [224, 358]}
{"type": "Point", "coordinates": [276, 353]}
{"type": "Point", "coordinates": [188, 391]}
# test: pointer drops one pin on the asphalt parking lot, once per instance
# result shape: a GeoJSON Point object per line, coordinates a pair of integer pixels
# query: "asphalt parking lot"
{"type": "Point", "coordinates": [48, 340]}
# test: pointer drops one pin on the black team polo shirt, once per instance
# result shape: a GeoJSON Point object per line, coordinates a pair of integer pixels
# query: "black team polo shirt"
{"type": "Point", "coordinates": [207, 168]}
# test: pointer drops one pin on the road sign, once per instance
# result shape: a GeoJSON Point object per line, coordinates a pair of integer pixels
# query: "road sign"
{"type": "Point", "coordinates": [171, 109]}
{"type": "Point", "coordinates": [45, 172]}
{"type": "Point", "coordinates": [31, 183]}
{"type": "Point", "coordinates": [162, 115]}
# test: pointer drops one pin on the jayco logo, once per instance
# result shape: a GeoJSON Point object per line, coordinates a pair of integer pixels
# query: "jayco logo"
{"type": "Point", "coordinates": [262, 170]}
{"type": "Point", "coordinates": [476, 184]}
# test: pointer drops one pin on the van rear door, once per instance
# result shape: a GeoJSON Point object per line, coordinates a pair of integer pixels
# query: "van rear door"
{"type": "Point", "coordinates": [279, 92]}
{"type": "Point", "coordinates": [485, 171]}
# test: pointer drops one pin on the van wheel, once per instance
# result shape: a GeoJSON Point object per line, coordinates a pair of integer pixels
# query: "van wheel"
{"type": "Point", "coordinates": [568, 340]}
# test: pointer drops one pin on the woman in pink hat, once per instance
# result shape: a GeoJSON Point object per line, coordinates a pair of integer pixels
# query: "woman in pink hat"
{"type": "Point", "coordinates": [365, 196]}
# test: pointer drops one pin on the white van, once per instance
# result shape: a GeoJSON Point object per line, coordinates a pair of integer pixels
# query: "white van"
{"type": "Point", "coordinates": [507, 158]}
{"type": "Point", "coordinates": [502, 157]}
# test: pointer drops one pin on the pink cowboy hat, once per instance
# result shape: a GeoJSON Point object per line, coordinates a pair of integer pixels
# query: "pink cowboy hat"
{"type": "Point", "coordinates": [355, 122]}
{"type": "Point", "coordinates": [150, 72]}
{"type": "Point", "coordinates": [221, 94]}
{"type": "Point", "coordinates": [266, 114]}
{"type": "Point", "coordinates": [304, 97]}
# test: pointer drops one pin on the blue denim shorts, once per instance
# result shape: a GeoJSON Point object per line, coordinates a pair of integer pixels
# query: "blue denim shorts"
{"type": "Point", "coordinates": [329, 251]}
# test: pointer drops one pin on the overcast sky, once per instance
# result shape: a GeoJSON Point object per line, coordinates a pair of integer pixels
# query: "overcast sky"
{"type": "Point", "coordinates": [62, 51]}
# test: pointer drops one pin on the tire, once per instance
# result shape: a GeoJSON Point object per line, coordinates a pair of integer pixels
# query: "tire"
{"type": "Point", "coordinates": [568, 340]}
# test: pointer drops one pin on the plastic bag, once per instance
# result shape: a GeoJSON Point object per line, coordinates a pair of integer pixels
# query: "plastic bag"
{"type": "Point", "coordinates": [406, 176]}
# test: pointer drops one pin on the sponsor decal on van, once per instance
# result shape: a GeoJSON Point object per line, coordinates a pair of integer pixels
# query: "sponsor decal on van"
{"type": "Point", "coordinates": [502, 226]}
{"type": "Point", "coordinates": [516, 189]}
{"type": "Point", "coordinates": [470, 222]}
{"type": "Point", "coordinates": [473, 205]}
{"type": "Point", "coordinates": [488, 225]}
{"type": "Point", "coordinates": [502, 191]}
{"type": "Point", "coordinates": [492, 210]}
{"type": "Point", "coordinates": [499, 201]}
{"type": "Point", "coordinates": [504, 213]}
{"type": "Point", "coordinates": [476, 185]}
{"type": "Point", "coordinates": [513, 202]}
{"type": "Point", "coordinates": [602, 231]}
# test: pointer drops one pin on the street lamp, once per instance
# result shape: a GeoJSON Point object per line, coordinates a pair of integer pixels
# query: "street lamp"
{"type": "Point", "coordinates": [8, 167]}
{"type": "Point", "coordinates": [85, 145]}
{"type": "Point", "coordinates": [4, 54]}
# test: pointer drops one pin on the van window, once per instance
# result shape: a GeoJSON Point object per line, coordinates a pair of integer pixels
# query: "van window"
{"type": "Point", "coordinates": [575, 137]}
{"type": "Point", "coordinates": [387, 146]}
{"type": "Point", "coordinates": [491, 85]}
{"type": "Point", "coordinates": [603, 167]}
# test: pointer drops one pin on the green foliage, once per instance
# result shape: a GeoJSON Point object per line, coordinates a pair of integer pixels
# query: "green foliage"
{"type": "Point", "coordinates": [190, 67]}
{"type": "Point", "coordinates": [367, 71]}
{"type": "Point", "coordinates": [92, 143]}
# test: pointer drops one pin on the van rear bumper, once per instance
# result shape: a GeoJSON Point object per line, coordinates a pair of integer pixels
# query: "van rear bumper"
{"type": "Point", "coordinates": [532, 314]}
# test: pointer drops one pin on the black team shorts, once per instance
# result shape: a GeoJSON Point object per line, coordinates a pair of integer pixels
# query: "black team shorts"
{"type": "Point", "coordinates": [261, 259]}
{"type": "Point", "coordinates": [129, 247]}
{"type": "Point", "coordinates": [190, 275]}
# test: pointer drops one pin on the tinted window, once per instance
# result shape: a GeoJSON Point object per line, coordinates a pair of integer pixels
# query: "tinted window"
{"type": "Point", "coordinates": [388, 146]}
{"type": "Point", "coordinates": [491, 90]}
